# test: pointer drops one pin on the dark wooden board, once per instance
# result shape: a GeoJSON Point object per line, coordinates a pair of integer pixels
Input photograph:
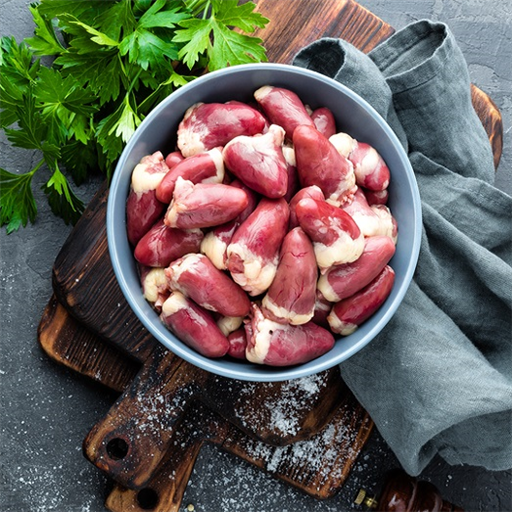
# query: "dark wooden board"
{"type": "Point", "coordinates": [90, 328]}
{"type": "Point", "coordinates": [308, 465]}
{"type": "Point", "coordinates": [84, 282]}
{"type": "Point", "coordinates": [73, 345]}
{"type": "Point", "coordinates": [318, 466]}
{"type": "Point", "coordinates": [170, 384]}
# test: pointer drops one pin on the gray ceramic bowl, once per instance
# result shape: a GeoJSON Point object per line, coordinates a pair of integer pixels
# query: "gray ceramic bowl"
{"type": "Point", "coordinates": [353, 115]}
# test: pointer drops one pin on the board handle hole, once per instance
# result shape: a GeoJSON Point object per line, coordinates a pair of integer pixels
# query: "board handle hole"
{"type": "Point", "coordinates": [147, 498]}
{"type": "Point", "coordinates": [117, 448]}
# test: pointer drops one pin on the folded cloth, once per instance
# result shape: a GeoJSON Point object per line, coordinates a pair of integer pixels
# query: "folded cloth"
{"type": "Point", "coordinates": [438, 378]}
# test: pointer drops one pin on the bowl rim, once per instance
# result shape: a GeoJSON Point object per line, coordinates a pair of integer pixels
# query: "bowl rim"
{"type": "Point", "coordinates": [262, 373]}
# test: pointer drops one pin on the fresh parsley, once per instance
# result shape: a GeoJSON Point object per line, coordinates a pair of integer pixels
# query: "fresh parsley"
{"type": "Point", "coordinates": [212, 36]}
{"type": "Point", "coordinates": [77, 90]}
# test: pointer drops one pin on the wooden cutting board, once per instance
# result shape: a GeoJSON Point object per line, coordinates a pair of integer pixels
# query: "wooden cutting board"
{"type": "Point", "coordinates": [89, 327]}
{"type": "Point", "coordinates": [318, 465]}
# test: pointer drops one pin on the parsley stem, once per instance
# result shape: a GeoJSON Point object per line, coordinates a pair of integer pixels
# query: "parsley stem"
{"type": "Point", "coordinates": [149, 99]}
{"type": "Point", "coordinates": [134, 81]}
{"type": "Point", "coordinates": [195, 6]}
{"type": "Point", "coordinates": [124, 74]}
{"type": "Point", "coordinates": [206, 9]}
{"type": "Point", "coordinates": [38, 165]}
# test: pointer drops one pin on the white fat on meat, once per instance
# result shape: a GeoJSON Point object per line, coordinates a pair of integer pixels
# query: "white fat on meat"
{"type": "Point", "coordinates": [278, 134]}
{"type": "Point", "coordinates": [154, 284]}
{"type": "Point", "coordinates": [182, 189]}
{"type": "Point", "coordinates": [339, 326]}
{"type": "Point", "coordinates": [344, 250]}
{"type": "Point", "coordinates": [264, 328]}
{"type": "Point", "coordinates": [386, 226]}
{"type": "Point", "coordinates": [174, 303]}
{"type": "Point", "coordinates": [257, 276]}
{"type": "Point", "coordinates": [368, 223]}
{"type": "Point", "coordinates": [368, 165]}
{"type": "Point", "coordinates": [259, 144]}
{"type": "Point", "coordinates": [190, 142]}
{"type": "Point", "coordinates": [345, 190]}
{"type": "Point", "coordinates": [327, 291]}
{"type": "Point", "coordinates": [320, 305]}
{"type": "Point", "coordinates": [218, 177]}
{"type": "Point", "coordinates": [343, 143]}
{"type": "Point", "coordinates": [144, 181]}
{"type": "Point", "coordinates": [260, 93]}
{"type": "Point", "coordinates": [187, 263]}
{"type": "Point", "coordinates": [281, 312]}
{"type": "Point", "coordinates": [213, 247]}
{"type": "Point", "coordinates": [171, 215]}
{"type": "Point", "coordinates": [289, 156]}
{"type": "Point", "coordinates": [229, 324]}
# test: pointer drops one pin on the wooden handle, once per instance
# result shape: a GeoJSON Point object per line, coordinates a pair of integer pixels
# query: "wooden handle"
{"type": "Point", "coordinates": [164, 492]}
{"type": "Point", "coordinates": [403, 493]}
{"type": "Point", "coordinates": [131, 440]}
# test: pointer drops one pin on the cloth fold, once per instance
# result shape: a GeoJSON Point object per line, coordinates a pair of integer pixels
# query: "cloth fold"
{"type": "Point", "coordinates": [438, 378]}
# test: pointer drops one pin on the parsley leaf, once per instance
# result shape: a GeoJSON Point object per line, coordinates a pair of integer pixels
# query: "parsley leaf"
{"type": "Point", "coordinates": [10, 97]}
{"type": "Point", "coordinates": [213, 36]}
{"type": "Point", "coordinates": [79, 168]}
{"type": "Point", "coordinates": [32, 132]}
{"type": "Point", "coordinates": [94, 35]}
{"type": "Point", "coordinates": [100, 72]}
{"type": "Point", "coordinates": [147, 47]}
{"type": "Point", "coordinates": [241, 16]}
{"type": "Point", "coordinates": [86, 10]}
{"type": "Point", "coordinates": [45, 41]}
{"type": "Point", "coordinates": [155, 17]}
{"type": "Point", "coordinates": [61, 198]}
{"type": "Point", "coordinates": [117, 20]}
{"type": "Point", "coordinates": [116, 129]}
{"type": "Point", "coordinates": [62, 95]}
{"type": "Point", "coordinates": [196, 33]}
{"type": "Point", "coordinates": [18, 72]}
{"type": "Point", "coordinates": [232, 48]}
{"type": "Point", "coordinates": [17, 63]}
{"type": "Point", "coordinates": [17, 204]}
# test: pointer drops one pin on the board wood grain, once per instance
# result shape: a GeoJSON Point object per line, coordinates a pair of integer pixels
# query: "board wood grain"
{"type": "Point", "coordinates": [275, 413]}
{"type": "Point", "coordinates": [317, 465]}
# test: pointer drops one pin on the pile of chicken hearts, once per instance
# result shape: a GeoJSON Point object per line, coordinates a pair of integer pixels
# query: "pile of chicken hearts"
{"type": "Point", "coordinates": [266, 231]}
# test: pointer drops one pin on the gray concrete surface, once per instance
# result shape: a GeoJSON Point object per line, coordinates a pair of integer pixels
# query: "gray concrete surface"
{"type": "Point", "coordinates": [46, 411]}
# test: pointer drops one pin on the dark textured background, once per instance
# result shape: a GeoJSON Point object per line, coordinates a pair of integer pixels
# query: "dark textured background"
{"type": "Point", "coordinates": [46, 411]}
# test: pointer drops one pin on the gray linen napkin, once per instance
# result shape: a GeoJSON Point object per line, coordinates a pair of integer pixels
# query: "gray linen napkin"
{"type": "Point", "coordinates": [438, 378]}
